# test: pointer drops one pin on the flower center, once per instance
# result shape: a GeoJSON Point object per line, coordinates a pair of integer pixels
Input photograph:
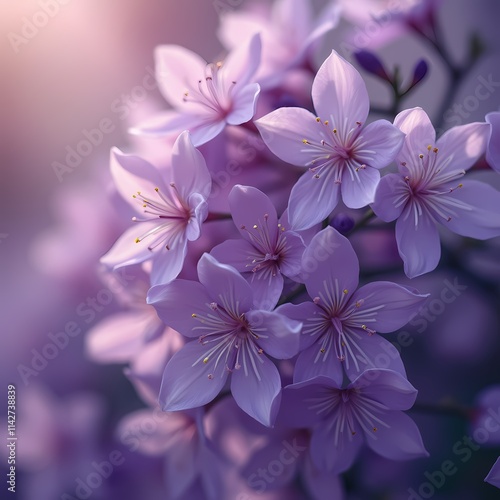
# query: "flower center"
{"type": "Point", "coordinates": [229, 339]}
{"type": "Point", "coordinates": [173, 215]}
{"type": "Point", "coordinates": [212, 92]}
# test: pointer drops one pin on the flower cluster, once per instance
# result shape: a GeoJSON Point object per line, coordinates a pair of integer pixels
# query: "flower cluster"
{"type": "Point", "coordinates": [239, 249]}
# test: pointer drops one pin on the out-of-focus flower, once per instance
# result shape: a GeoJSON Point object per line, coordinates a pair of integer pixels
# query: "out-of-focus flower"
{"type": "Point", "coordinates": [289, 34]}
{"type": "Point", "coordinates": [267, 251]}
{"type": "Point", "coordinates": [191, 468]}
{"type": "Point", "coordinates": [425, 192]}
{"type": "Point", "coordinates": [368, 409]}
{"type": "Point", "coordinates": [232, 338]}
{"type": "Point", "coordinates": [486, 412]}
{"type": "Point", "coordinates": [174, 211]}
{"type": "Point", "coordinates": [341, 323]}
{"type": "Point", "coordinates": [378, 22]}
{"type": "Point", "coordinates": [205, 97]}
{"type": "Point", "coordinates": [493, 476]}
{"type": "Point", "coordinates": [342, 156]}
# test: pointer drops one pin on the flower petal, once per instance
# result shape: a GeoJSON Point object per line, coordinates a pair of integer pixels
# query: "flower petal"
{"type": "Point", "coordinates": [310, 364]}
{"type": "Point", "coordinates": [379, 144]}
{"type": "Point", "coordinates": [306, 313]}
{"type": "Point", "coordinates": [358, 187]}
{"type": "Point", "coordinates": [493, 476]}
{"type": "Point", "coordinates": [118, 338]}
{"type": "Point", "coordinates": [339, 93]}
{"type": "Point", "coordinates": [166, 123]}
{"type": "Point", "coordinates": [244, 104]}
{"type": "Point", "coordinates": [331, 267]}
{"type": "Point", "coordinates": [291, 257]}
{"type": "Point", "coordinates": [126, 251]}
{"type": "Point", "coordinates": [297, 409]}
{"type": "Point", "coordinates": [278, 335]}
{"type": "Point", "coordinates": [266, 288]}
{"type": "Point", "coordinates": [251, 207]}
{"type": "Point", "coordinates": [418, 244]}
{"type": "Point", "coordinates": [480, 217]}
{"type": "Point", "coordinates": [371, 351]}
{"type": "Point", "coordinates": [188, 382]}
{"type": "Point", "coordinates": [312, 199]}
{"type": "Point", "coordinates": [132, 174]}
{"type": "Point", "coordinates": [493, 148]}
{"type": "Point", "coordinates": [242, 62]}
{"type": "Point", "coordinates": [387, 387]}
{"type": "Point", "coordinates": [178, 70]}
{"type": "Point", "coordinates": [400, 441]}
{"type": "Point", "coordinates": [284, 130]}
{"type": "Point", "coordinates": [256, 388]}
{"type": "Point", "coordinates": [176, 303]}
{"type": "Point", "coordinates": [333, 454]}
{"type": "Point", "coordinates": [189, 169]}
{"type": "Point", "coordinates": [205, 130]}
{"type": "Point", "coordinates": [236, 253]}
{"type": "Point", "coordinates": [465, 144]}
{"type": "Point", "coordinates": [384, 306]}
{"type": "Point", "coordinates": [390, 197]}
{"type": "Point", "coordinates": [168, 264]}
{"type": "Point", "coordinates": [419, 134]}
{"type": "Point", "coordinates": [224, 284]}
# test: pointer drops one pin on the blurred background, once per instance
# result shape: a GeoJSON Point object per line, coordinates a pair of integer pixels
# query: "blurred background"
{"type": "Point", "coordinates": [76, 71]}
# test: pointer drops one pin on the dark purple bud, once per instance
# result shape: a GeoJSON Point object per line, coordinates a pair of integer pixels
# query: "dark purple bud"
{"type": "Point", "coordinates": [419, 72]}
{"type": "Point", "coordinates": [371, 63]}
{"type": "Point", "coordinates": [342, 222]}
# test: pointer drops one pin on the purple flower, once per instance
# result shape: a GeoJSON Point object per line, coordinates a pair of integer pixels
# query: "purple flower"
{"type": "Point", "coordinates": [288, 33]}
{"type": "Point", "coordinates": [493, 476]}
{"type": "Point", "coordinates": [493, 147]}
{"type": "Point", "coordinates": [340, 324]}
{"type": "Point", "coordinates": [486, 415]}
{"type": "Point", "coordinates": [428, 190]}
{"type": "Point", "coordinates": [342, 156]}
{"type": "Point", "coordinates": [267, 251]}
{"type": "Point", "coordinates": [205, 97]}
{"type": "Point", "coordinates": [173, 211]}
{"type": "Point", "coordinates": [232, 338]}
{"type": "Point", "coordinates": [368, 409]}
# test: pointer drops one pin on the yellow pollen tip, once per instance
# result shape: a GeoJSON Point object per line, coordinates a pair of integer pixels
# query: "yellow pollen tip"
{"type": "Point", "coordinates": [429, 147]}
{"type": "Point", "coordinates": [346, 291]}
{"type": "Point", "coordinates": [193, 315]}
{"type": "Point", "coordinates": [305, 141]}
{"type": "Point", "coordinates": [139, 193]}
{"type": "Point", "coordinates": [144, 206]}
{"type": "Point", "coordinates": [420, 156]}
{"type": "Point", "coordinates": [255, 226]}
{"type": "Point", "coordinates": [326, 122]}
{"type": "Point", "coordinates": [334, 130]}
{"type": "Point", "coordinates": [157, 189]}
{"type": "Point", "coordinates": [134, 196]}
{"type": "Point", "coordinates": [435, 150]}
{"type": "Point", "coordinates": [318, 119]}
{"type": "Point", "coordinates": [363, 326]}
{"type": "Point", "coordinates": [322, 351]}
{"type": "Point", "coordinates": [460, 185]}
{"type": "Point", "coordinates": [137, 240]}
{"type": "Point", "coordinates": [205, 360]}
